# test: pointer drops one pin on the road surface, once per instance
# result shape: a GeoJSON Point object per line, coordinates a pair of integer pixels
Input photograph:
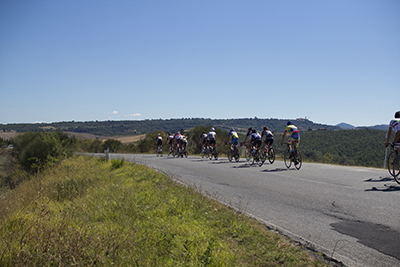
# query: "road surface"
{"type": "Point", "coordinates": [351, 213]}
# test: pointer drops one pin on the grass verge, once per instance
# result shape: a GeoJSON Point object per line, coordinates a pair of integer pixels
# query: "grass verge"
{"type": "Point", "coordinates": [84, 212]}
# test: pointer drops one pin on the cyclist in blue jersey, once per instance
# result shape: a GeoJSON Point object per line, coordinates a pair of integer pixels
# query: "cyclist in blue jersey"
{"type": "Point", "coordinates": [294, 135]}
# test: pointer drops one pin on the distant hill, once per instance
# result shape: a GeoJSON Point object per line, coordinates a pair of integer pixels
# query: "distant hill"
{"type": "Point", "coordinates": [345, 126]}
{"type": "Point", "coordinates": [120, 128]}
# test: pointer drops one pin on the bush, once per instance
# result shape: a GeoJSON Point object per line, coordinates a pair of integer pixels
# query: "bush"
{"type": "Point", "coordinates": [35, 151]}
{"type": "Point", "coordinates": [116, 163]}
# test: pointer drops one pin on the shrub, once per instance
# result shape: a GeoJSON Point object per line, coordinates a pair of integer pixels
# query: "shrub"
{"type": "Point", "coordinates": [116, 163]}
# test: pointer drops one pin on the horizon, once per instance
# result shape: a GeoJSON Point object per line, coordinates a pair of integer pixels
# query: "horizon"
{"type": "Point", "coordinates": [329, 61]}
{"type": "Point", "coordinates": [293, 119]}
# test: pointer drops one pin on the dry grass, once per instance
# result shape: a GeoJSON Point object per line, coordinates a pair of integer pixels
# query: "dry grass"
{"type": "Point", "coordinates": [123, 139]}
{"type": "Point", "coordinates": [84, 213]}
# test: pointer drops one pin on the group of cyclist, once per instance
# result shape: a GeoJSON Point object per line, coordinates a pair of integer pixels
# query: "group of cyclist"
{"type": "Point", "coordinates": [208, 140]}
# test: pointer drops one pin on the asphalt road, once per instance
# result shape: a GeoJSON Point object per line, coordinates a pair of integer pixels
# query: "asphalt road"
{"type": "Point", "coordinates": [352, 213]}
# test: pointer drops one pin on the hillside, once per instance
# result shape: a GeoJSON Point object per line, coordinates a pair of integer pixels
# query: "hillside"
{"type": "Point", "coordinates": [123, 128]}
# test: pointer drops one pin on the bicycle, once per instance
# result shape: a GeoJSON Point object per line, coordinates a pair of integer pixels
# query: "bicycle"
{"type": "Point", "coordinates": [171, 151]}
{"type": "Point", "coordinates": [267, 153]}
{"type": "Point", "coordinates": [293, 156]}
{"type": "Point", "coordinates": [159, 151]}
{"type": "Point", "coordinates": [233, 153]}
{"type": "Point", "coordinates": [205, 152]}
{"type": "Point", "coordinates": [213, 152]}
{"type": "Point", "coordinates": [253, 155]}
{"type": "Point", "coordinates": [393, 163]}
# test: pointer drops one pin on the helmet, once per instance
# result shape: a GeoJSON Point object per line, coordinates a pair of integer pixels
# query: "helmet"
{"type": "Point", "coordinates": [158, 134]}
{"type": "Point", "coordinates": [289, 123]}
{"type": "Point", "coordinates": [232, 129]}
{"type": "Point", "coordinates": [265, 128]}
{"type": "Point", "coordinates": [397, 114]}
{"type": "Point", "coordinates": [203, 132]}
{"type": "Point", "coordinates": [212, 129]}
{"type": "Point", "coordinates": [178, 133]}
{"type": "Point", "coordinates": [254, 131]}
{"type": "Point", "coordinates": [249, 129]}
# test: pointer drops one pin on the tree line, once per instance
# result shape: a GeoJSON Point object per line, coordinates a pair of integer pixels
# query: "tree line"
{"type": "Point", "coordinates": [129, 127]}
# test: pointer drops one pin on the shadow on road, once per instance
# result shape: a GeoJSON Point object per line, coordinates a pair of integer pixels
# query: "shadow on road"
{"type": "Point", "coordinates": [277, 170]}
{"type": "Point", "coordinates": [385, 187]}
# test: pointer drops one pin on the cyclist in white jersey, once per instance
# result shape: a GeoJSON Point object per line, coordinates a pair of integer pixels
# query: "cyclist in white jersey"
{"type": "Point", "coordinates": [394, 125]}
{"type": "Point", "coordinates": [212, 137]}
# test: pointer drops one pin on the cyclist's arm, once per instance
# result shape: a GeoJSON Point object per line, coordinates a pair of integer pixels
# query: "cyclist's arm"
{"type": "Point", "coordinates": [283, 137]}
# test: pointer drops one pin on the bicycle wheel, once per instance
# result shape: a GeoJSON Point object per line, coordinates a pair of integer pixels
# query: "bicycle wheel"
{"type": "Point", "coordinates": [299, 162]}
{"type": "Point", "coordinates": [258, 158]}
{"type": "Point", "coordinates": [236, 155]}
{"type": "Point", "coordinates": [396, 169]}
{"type": "Point", "coordinates": [229, 153]}
{"type": "Point", "coordinates": [288, 159]}
{"type": "Point", "coordinates": [390, 161]}
{"type": "Point", "coordinates": [271, 156]}
{"type": "Point", "coordinates": [263, 155]}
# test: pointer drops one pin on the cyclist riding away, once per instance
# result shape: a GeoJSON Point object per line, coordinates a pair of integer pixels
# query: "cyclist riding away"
{"type": "Point", "coordinates": [255, 141]}
{"type": "Point", "coordinates": [203, 141]}
{"type": "Point", "coordinates": [211, 138]}
{"type": "Point", "coordinates": [184, 142]}
{"type": "Point", "coordinates": [249, 131]}
{"type": "Point", "coordinates": [269, 139]}
{"type": "Point", "coordinates": [170, 139]}
{"type": "Point", "coordinates": [234, 138]}
{"type": "Point", "coordinates": [394, 125]}
{"type": "Point", "coordinates": [178, 140]}
{"type": "Point", "coordinates": [294, 137]}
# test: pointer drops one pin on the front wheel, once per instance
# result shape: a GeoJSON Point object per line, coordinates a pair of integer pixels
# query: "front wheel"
{"type": "Point", "coordinates": [288, 159]}
{"type": "Point", "coordinates": [271, 155]}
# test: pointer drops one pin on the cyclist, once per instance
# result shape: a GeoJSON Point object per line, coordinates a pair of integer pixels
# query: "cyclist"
{"type": "Point", "coordinates": [269, 137]}
{"type": "Point", "coordinates": [255, 141]}
{"type": "Point", "coordinates": [159, 142]}
{"type": "Point", "coordinates": [211, 138]}
{"type": "Point", "coordinates": [394, 125]}
{"type": "Point", "coordinates": [294, 137]}
{"type": "Point", "coordinates": [249, 131]}
{"type": "Point", "coordinates": [170, 139]}
{"type": "Point", "coordinates": [203, 141]}
{"type": "Point", "coordinates": [178, 140]}
{"type": "Point", "coordinates": [234, 138]}
{"type": "Point", "coordinates": [184, 142]}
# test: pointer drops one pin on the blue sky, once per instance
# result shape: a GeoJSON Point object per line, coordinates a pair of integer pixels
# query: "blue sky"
{"type": "Point", "coordinates": [330, 61]}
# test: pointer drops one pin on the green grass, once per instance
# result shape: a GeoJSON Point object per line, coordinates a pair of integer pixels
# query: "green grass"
{"type": "Point", "coordinates": [84, 212]}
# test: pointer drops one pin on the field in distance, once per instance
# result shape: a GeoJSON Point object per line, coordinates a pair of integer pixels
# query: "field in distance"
{"type": "Point", "coordinates": [123, 139]}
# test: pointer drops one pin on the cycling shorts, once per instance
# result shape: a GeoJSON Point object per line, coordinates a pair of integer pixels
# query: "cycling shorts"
{"type": "Point", "coordinates": [256, 142]}
{"type": "Point", "coordinates": [234, 141]}
{"type": "Point", "coordinates": [294, 141]}
{"type": "Point", "coordinates": [211, 142]}
{"type": "Point", "coordinates": [159, 142]}
{"type": "Point", "coordinates": [269, 141]}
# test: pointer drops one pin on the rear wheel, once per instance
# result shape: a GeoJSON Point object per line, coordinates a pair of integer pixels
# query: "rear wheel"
{"type": "Point", "coordinates": [298, 164]}
{"type": "Point", "coordinates": [271, 155]}
{"type": "Point", "coordinates": [390, 162]}
{"type": "Point", "coordinates": [396, 169]}
{"type": "Point", "coordinates": [287, 159]}
{"type": "Point", "coordinates": [229, 153]}
{"type": "Point", "coordinates": [237, 156]}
